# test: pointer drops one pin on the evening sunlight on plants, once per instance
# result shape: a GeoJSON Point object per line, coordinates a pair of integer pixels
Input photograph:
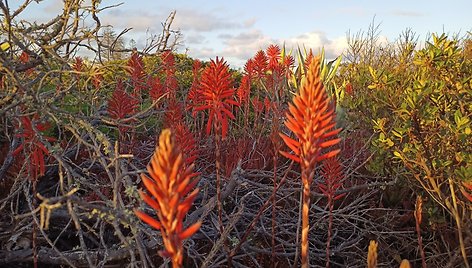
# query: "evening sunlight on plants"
{"type": "Point", "coordinates": [181, 135]}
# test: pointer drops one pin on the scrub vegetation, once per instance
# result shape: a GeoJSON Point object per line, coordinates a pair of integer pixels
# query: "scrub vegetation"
{"type": "Point", "coordinates": [149, 158]}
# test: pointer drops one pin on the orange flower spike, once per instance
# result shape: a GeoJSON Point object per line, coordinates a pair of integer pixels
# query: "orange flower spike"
{"type": "Point", "coordinates": [311, 119]}
{"type": "Point", "coordinates": [170, 181]}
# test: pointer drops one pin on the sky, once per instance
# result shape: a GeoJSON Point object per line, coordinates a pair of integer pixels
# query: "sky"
{"type": "Point", "coordinates": [236, 30]}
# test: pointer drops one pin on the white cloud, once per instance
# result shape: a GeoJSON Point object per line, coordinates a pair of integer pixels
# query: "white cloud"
{"type": "Point", "coordinates": [240, 47]}
{"type": "Point", "coordinates": [317, 40]}
{"type": "Point", "coordinates": [244, 45]}
{"type": "Point", "coordinates": [202, 53]}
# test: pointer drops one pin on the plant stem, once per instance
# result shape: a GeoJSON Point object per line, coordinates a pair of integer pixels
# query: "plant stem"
{"type": "Point", "coordinates": [305, 219]}
{"type": "Point", "coordinates": [35, 231]}
{"type": "Point", "coordinates": [273, 206]}
{"type": "Point", "coordinates": [330, 227]}
{"type": "Point", "coordinates": [218, 179]}
{"type": "Point", "coordinates": [455, 212]}
{"type": "Point", "coordinates": [418, 219]}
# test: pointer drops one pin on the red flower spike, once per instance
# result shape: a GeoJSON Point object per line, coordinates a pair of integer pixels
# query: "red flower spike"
{"type": "Point", "coordinates": [174, 114]}
{"type": "Point", "coordinates": [174, 119]}
{"type": "Point", "coordinates": [217, 95]}
{"type": "Point", "coordinates": [136, 70]}
{"type": "Point", "coordinates": [170, 86]}
{"type": "Point", "coordinates": [260, 64]}
{"type": "Point", "coordinates": [32, 147]}
{"type": "Point", "coordinates": [78, 65]}
{"type": "Point", "coordinates": [121, 104]}
{"type": "Point", "coordinates": [193, 96]}
{"type": "Point", "coordinates": [170, 83]}
{"type": "Point", "coordinates": [169, 183]}
{"type": "Point", "coordinates": [333, 177]}
{"type": "Point", "coordinates": [249, 68]}
{"type": "Point", "coordinates": [196, 67]}
{"type": "Point", "coordinates": [273, 54]}
{"type": "Point", "coordinates": [289, 62]}
{"type": "Point", "coordinates": [186, 139]}
{"type": "Point", "coordinates": [332, 181]}
{"type": "Point", "coordinates": [309, 58]}
{"type": "Point", "coordinates": [244, 89]}
{"type": "Point", "coordinates": [156, 89]}
{"type": "Point", "coordinates": [168, 62]}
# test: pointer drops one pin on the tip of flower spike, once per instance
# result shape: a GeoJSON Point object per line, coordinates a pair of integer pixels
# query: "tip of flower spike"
{"type": "Point", "coordinates": [372, 254]}
{"type": "Point", "coordinates": [405, 264]}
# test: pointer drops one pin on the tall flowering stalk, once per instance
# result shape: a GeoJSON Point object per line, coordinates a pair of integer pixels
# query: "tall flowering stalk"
{"type": "Point", "coordinates": [137, 73]}
{"type": "Point", "coordinates": [169, 185]}
{"type": "Point", "coordinates": [218, 99]}
{"type": "Point", "coordinates": [333, 177]}
{"type": "Point", "coordinates": [34, 151]}
{"type": "Point", "coordinates": [217, 96]}
{"type": "Point", "coordinates": [121, 107]}
{"type": "Point", "coordinates": [193, 95]}
{"type": "Point", "coordinates": [170, 82]}
{"type": "Point", "coordinates": [311, 119]}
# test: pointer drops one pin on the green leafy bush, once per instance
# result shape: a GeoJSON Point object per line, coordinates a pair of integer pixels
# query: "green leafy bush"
{"type": "Point", "coordinates": [419, 110]}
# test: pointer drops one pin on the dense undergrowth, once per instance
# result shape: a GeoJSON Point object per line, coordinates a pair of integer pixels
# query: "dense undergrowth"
{"type": "Point", "coordinates": [375, 144]}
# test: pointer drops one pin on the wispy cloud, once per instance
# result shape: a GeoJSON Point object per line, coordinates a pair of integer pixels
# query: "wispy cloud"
{"type": "Point", "coordinates": [407, 13]}
{"type": "Point", "coordinates": [185, 20]}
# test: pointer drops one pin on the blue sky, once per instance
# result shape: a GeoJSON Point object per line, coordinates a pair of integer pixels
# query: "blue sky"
{"type": "Point", "coordinates": [237, 29]}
